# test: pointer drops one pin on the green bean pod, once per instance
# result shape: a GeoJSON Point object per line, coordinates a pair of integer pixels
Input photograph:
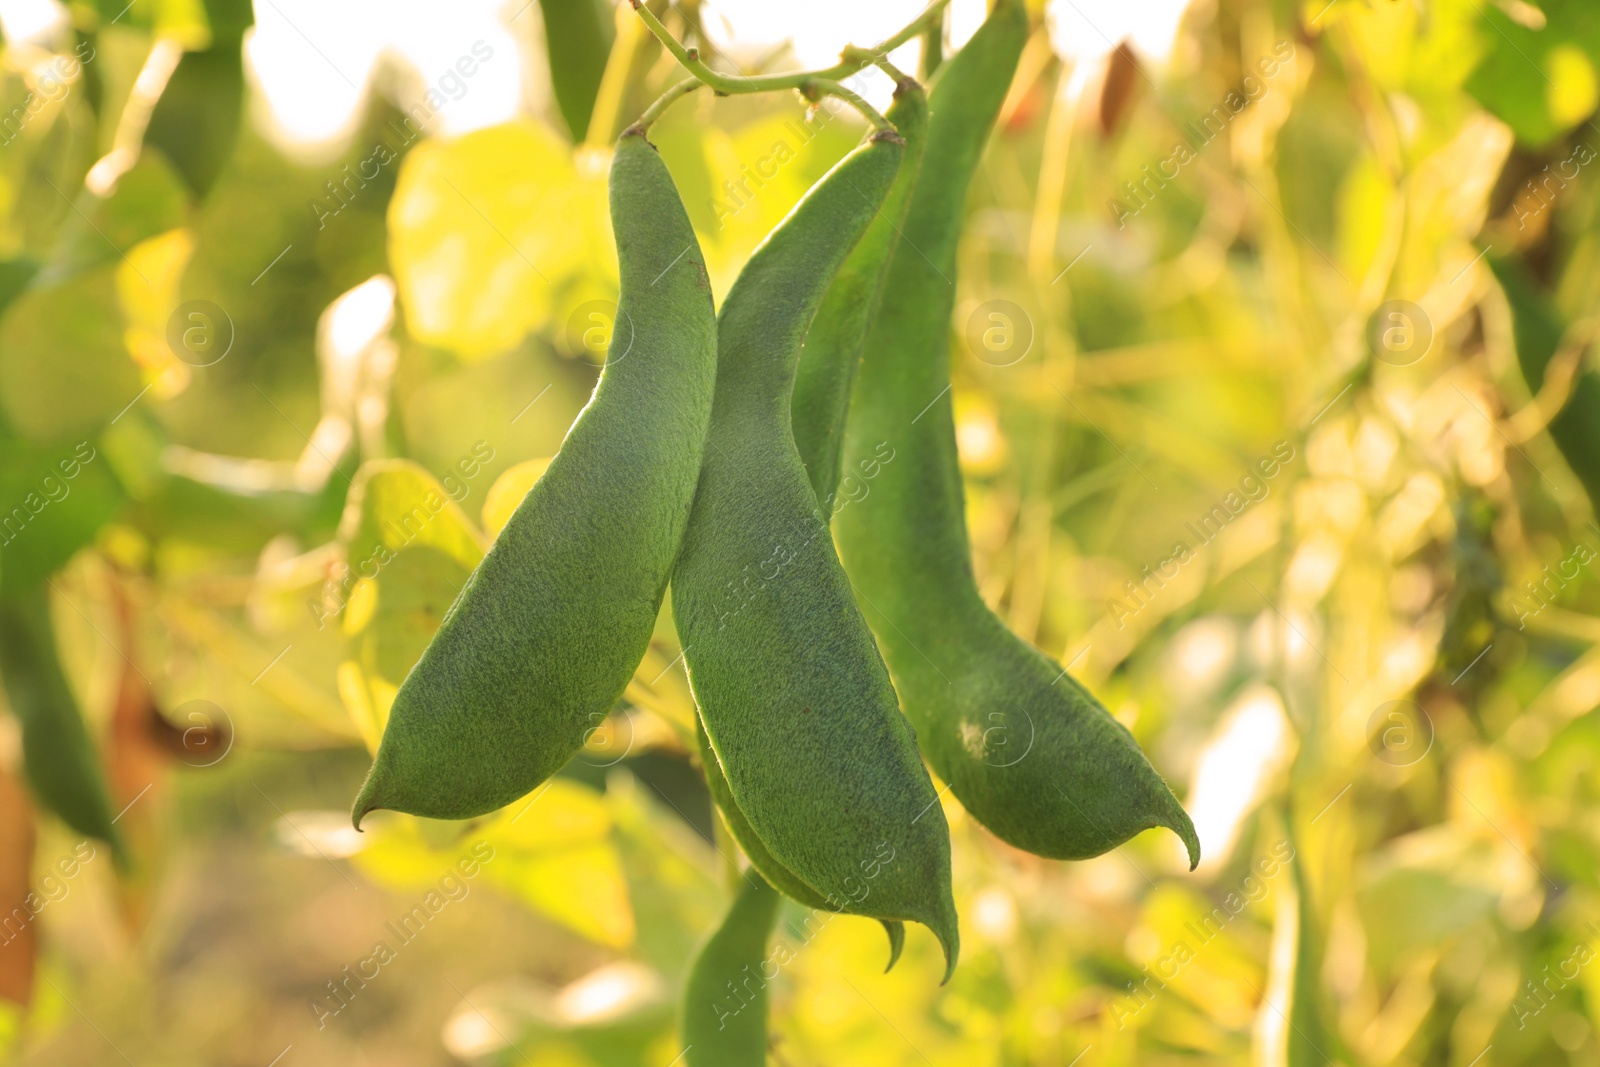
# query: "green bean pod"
{"type": "Point", "coordinates": [549, 628]}
{"type": "Point", "coordinates": [834, 342]}
{"type": "Point", "coordinates": [821, 396]}
{"type": "Point", "coordinates": [792, 692]}
{"type": "Point", "coordinates": [725, 1000]}
{"type": "Point", "coordinates": [1029, 752]}
{"type": "Point", "coordinates": [782, 878]}
{"type": "Point", "coordinates": [58, 755]}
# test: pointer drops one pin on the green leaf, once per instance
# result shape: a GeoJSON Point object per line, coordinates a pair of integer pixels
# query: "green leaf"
{"type": "Point", "coordinates": [63, 370]}
{"type": "Point", "coordinates": [410, 550]}
{"type": "Point", "coordinates": [197, 119]}
{"type": "Point", "coordinates": [396, 504]}
{"type": "Point", "coordinates": [578, 35]}
{"type": "Point", "coordinates": [58, 755]}
{"type": "Point", "coordinates": [482, 227]}
{"type": "Point", "coordinates": [552, 852]}
{"type": "Point", "coordinates": [672, 873]}
{"type": "Point", "coordinates": [1540, 82]}
{"type": "Point", "coordinates": [1407, 905]}
{"type": "Point", "coordinates": [149, 199]}
{"type": "Point", "coordinates": [52, 503]}
{"type": "Point", "coordinates": [415, 590]}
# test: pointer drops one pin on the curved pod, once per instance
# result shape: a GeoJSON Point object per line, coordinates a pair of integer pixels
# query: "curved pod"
{"type": "Point", "coordinates": [821, 396]}
{"type": "Point", "coordinates": [725, 999]}
{"type": "Point", "coordinates": [783, 879]}
{"type": "Point", "coordinates": [552, 624]}
{"type": "Point", "coordinates": [794, 698]}
{"type": "Point", "coordinates": [833, 345]}
{"type": "Point", "coordinates": [1026, 749]}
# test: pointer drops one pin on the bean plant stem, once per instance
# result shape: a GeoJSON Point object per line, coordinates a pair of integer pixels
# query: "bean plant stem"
{"type": "Point", "coordinates": [899, 76]}
{"type": "Point", "coordinates": [666, 100]}
{"type": "Point", "coordinates": [816, 88]}
{"type": "Point", "coordinates": [810, 83]}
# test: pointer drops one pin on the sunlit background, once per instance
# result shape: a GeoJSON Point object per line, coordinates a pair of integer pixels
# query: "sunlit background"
{"type": "Point", "coordinates": [398, 249]}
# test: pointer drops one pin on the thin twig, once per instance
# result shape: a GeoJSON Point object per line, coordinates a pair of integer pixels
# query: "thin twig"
{"type": "Point", "coordinates": [817, 88]}
{"type": "Point", "coordinates": [666, 100]}
{"type": "Point", "coordinates": [825, 82]}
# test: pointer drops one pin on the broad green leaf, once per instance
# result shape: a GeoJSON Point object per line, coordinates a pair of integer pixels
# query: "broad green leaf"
{"type": "Point", "coordinates": [197, 118]}
{"type": "Point", "coordinates": [1540, 82]}
{"type": "Point", "coordinates": [147, 200]}
{"type": "Point", "coordinates": [396, 504]}
{"type": "Point", "coordinates": [551, 853]}
{"type": "Point", "coordinates": [147, 290]}
{"type": "Point", "coordinates": [64, 372]}
{"type": "Point", "coordinates": [482, 227]}
{"type": "Point", "coordinates": [560, 814]}
{"type": "Point", "coordinates": [1424, 890]}
{"type": "Point", "coordinates": [581, 888]}
{"type": "Point", "coordinates": [398, 852]}
{"type": "Point", "coordinates": [60, 757]}
{"type": "Point", "coordinates": [409, 550]}
{"type": "Point", "coordinates": [53, 500]}
{"type": "Point", "coordinates": [672, 872]}
{"type": "Point", "coordinates": [757, 175]}
{"type": "Point", "coordinates": [414, 591]}
{"type": "Point", "coordinates": [578, 36]}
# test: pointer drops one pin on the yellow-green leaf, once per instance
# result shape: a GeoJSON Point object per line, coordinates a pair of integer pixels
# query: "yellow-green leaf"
{"type": "Point", "coordinates": [480, 229]}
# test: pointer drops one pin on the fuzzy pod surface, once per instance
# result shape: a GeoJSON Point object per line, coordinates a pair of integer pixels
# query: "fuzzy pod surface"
{"type": "Point", "coordinates": [1026, 749]}
{"type": "Point", "coordinates": [827, 367]}
{"type": "Point", "coordinates": [58, 755]}
{"type": "Point", "coordinates": [785, 880]}
{"type": "Point", "coordinates": [828, 363]}
{"type": "Point", "coordinates": [553, 622]}
{"type": "Point", "coordinates": [833, 343]}
{"type": "Point", "coordinates": [792, 693]}
{"type": "Point", "coordinates": [724, 1009]}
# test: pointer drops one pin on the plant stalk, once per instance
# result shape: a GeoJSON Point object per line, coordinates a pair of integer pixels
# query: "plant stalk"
{"type": "Point", "coordinates": [810, 83]}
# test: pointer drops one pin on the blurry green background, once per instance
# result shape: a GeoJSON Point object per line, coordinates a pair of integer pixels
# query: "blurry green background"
{"type": "Point", "coordinates": [288, 273]}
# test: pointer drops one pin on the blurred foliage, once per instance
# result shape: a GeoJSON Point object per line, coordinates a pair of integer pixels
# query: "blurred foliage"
{"type": "Point", "coordinates": [300, 395]}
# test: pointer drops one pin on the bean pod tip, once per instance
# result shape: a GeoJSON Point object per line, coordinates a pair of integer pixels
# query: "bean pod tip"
{"type": "Point", "coordinates": [373, 797]}
{"type": "Point", "coordinates": [1183, 826]}
{"type": "Point", "coordinates": [949, 935]}
{"type": "Point", "coordinates": [361, 810]}
{"type": "Point", "coordinates": [897, 941]}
